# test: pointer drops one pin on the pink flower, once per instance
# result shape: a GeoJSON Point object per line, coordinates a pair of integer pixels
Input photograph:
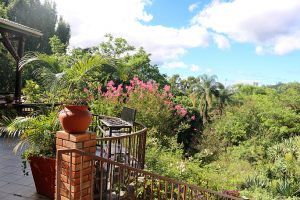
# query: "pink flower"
{"type": "Point", "coordinates": [120, 87]}
{"type": "Point", "coordinates": [129, 88]}
{"type": "Point", "coordinates": [180, 110]}
{"type": "Point", "coordinates": [167, 88]}
{"type": "Point", "coordinates": [183, 112]}
{"type": "Point", "coordinates": [110, 84]}
{"type": "Point", "coordinates": [193, 117]}
{"type": "Point", "coordinates": [135, 78]}
{"type": "Point", "coordinates": [85, 90]}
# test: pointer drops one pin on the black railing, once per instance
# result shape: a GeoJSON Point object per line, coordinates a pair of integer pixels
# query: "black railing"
{"type": "Point", "coordinates": [120, 181]}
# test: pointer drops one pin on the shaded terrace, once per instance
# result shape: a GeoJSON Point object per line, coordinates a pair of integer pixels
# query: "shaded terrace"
{"type": "Point", "coordinates": [13, 184]}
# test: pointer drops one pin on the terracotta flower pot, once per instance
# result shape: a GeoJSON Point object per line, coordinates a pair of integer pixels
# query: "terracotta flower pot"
{"type": "Point", "coordinates": [43, 172]}
{"type": "Point", "coordinates": [75, 118]}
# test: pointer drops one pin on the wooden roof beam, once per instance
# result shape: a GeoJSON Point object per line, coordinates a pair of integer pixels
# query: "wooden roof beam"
{"type": "Point", "coordinates": [6, 42]}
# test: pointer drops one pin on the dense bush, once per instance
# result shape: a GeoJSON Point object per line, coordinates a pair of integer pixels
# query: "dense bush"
{"type": "Point", "coordinates": [255, 145]}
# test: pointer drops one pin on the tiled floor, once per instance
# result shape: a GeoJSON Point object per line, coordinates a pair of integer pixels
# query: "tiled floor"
{"type": "Point", "coordinates": [13, 184]}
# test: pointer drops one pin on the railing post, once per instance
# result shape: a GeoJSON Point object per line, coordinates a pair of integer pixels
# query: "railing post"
{"type": "Point", "coordinates": [77, 172]}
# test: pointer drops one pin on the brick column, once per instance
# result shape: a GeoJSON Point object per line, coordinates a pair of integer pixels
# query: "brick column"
{"type": "Point", "coordinates": [85, 142]}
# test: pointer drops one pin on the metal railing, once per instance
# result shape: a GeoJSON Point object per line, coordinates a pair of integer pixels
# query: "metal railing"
{"type": "Point", "coordinates": [25, 109]}
{"type": "Point", "coordinates": [115, 180]}
{"type": "Point", "coordinates": [128, 148]}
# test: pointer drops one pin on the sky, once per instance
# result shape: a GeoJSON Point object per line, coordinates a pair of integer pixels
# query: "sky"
{"type": "Point", "coordinates": [240, 41]}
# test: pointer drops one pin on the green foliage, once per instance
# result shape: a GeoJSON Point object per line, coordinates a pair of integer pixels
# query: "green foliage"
{"type": "Point", "coordinates": [66, 86]}
{"type": "Point", "coordinates": [41, 16]}
{"type": "Point", "coordinates": [32, 91]}
{"type": "Point", "coordinates": [3, 10]}
{"type": "Point", "coordinates": [63, 31]}
{"type": "Point", "coordinates": [56, 45]}
{"type": "Point", "coordinates": [202, 92]}
{"type": "Point", "coordinates": [168, 162]}
{"type": "Point", "coordinates": [261, 134]}
{"type": "Point", "coordinates": [37, 134]}
{"type": "Point", "coordinates": [128, 61]}
{"type": "Point", "coordinates": [154, 107]}
{"type": "Point", "coordinates": [7, 71]}
{"type": "Point", "coordinates": [228, 172]}
{"type": "Point", "coordinates": [263, 115]}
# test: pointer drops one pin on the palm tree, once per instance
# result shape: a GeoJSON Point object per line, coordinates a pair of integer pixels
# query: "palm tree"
{"type": "Point", "coordinates": [193, 98]}
{"type": "Point", "coordinates": [56, 78]}
{"type": "Point", "coordinates": [224, 96]}
{"type": "Point", "coordinates": [208, 88]}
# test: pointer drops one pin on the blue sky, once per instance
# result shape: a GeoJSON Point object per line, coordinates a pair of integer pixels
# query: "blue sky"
{"type": "Point", "coordinates": [238, 40]}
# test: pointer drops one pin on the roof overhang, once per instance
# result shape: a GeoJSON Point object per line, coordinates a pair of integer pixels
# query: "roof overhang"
{"type": "Point", "coordinates": [13, 27]}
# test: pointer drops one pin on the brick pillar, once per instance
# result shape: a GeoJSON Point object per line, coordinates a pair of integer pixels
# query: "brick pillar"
{"type": "Point", "coordinates": [85, 142]}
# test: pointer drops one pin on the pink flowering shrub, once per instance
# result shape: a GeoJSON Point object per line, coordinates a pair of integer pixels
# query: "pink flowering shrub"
{"type": "Point", "coordinates": [155, 108]}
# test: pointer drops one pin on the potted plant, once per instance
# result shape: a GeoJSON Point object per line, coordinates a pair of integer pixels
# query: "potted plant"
{"type": "Point", "coordinates": [75, 116]}
{"type": "Point", "coordinates": [37, 133]}
{"type": "Point", "coordinates": [37, 142]}
{"type": "Point", "coordinates": [67, 87]}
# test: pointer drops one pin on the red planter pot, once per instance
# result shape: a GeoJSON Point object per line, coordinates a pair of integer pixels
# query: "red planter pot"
{"type": "Point", "coordinates": [43, 172]}
{"type": "Point", "coordinates": [75, 118]}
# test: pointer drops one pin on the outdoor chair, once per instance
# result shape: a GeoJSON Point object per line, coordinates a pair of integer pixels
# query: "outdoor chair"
{"type": "Point", "coordinates": [127, 115]}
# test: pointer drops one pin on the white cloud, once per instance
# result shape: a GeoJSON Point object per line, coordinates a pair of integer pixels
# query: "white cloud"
{"type": "Point", "coordinates": [273, 25]}
{"type": "Point", "coordinates": [181, 65]}
{"type": "Point", "coordinates": [175, 65]}
{"type": "Point", "coordinates": [91, 20]}
{"type": "Point", "coordinates": [208, 70]}
{"type": "Point", "coordinates": [193, 6]}
{"type": "Point", "coordinates": [221, 41]}
{"type": "Point", "coordinates": [195, 68]}
{"type": "Point", "coordinates": [246, 82]}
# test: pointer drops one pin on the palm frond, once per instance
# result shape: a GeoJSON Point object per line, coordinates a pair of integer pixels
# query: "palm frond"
{"type": "Point", "coordinates": [19, 146]}
{"type": "Point", "coordinates": [4, 122]}
{"type": "Point", "coordinates": [45, 76]}
{"type": "Point", "coordinates": [79, 69]}
{"type": "Point", "coordinates": [16, 126]}
{"type": "Point", "coordinates": [28, 58]}
{"type": "Point", "coordinates": [50, 61]}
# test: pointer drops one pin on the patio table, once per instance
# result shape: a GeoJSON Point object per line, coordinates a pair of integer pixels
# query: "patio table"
{"type": "Point", "coordinates": [115, 124]}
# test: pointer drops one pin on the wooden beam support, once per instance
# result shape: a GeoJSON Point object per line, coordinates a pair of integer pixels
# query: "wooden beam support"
{"type": "Point", "coordinates": [18, 85]}
{"type": "Point", "coordinates": [6, 42]}
{"type": "Point", "coordinates": [12, 38]}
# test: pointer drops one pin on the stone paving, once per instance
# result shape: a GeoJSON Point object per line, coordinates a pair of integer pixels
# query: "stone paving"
{"type": "Point", "coordinates": [13, 184]}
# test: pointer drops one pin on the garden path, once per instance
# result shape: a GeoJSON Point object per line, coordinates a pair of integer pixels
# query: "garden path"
{"type": "Point", "coordinates": [13, 184]}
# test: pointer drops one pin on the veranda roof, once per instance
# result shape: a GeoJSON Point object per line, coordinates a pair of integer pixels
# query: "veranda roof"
{"type": "Point", "coordinates": [13, 31]}
{"type": "Point", "coordinates": [9, 26]}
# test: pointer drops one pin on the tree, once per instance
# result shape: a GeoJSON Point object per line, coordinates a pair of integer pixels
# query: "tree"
{"type": "Point", "coordinates": [139, 64]}
{"type": "Point", "coordinates": [57, 47]}
{"type": "Point", "coordinates": [207, 88]}
{"type": "Point", "coordinates": [224, 95]}
{"type": "Point", "coordinates": [3, 10]}
{"type": "Point", "coordinates": [63, 32]}
{"type": "Point", "coordinates": [7, 68]}
{"type": "Point", "coordinates": [175, 84]}
{"type": "Point", "coordinates": [128, 61]}
{"type": "Point", "coordinates": [40, 16]}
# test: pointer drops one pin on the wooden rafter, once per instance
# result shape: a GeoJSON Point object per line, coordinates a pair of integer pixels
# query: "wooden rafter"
{"type": "Point", "coordinates": [8, 45]}
{"type": "Point", "coordinates": [17, 32]}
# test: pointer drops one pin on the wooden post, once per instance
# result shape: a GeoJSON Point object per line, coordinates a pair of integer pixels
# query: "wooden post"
{"type": "Point", "coordinates": [18, 85]}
